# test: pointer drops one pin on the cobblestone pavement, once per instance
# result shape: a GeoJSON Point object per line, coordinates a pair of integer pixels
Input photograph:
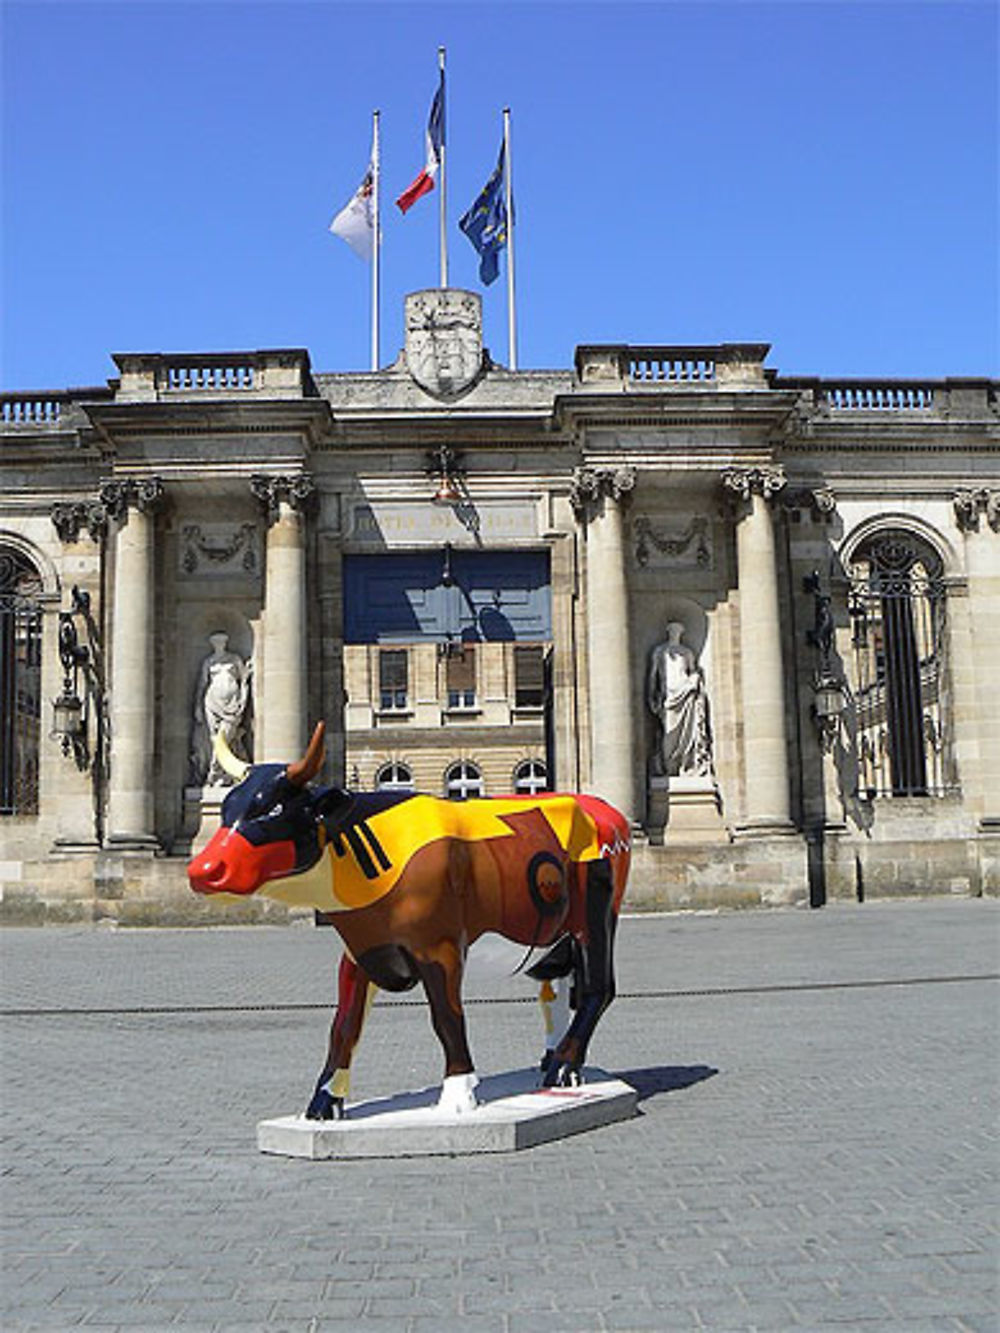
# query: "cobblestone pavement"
{"type": "Point", "coordinates": [818, 1144]}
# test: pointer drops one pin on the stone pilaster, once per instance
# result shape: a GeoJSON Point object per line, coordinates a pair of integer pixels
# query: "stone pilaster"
{"type": "Point", "coordinates": [131, 504]}
{"type": "Point", "coordinates": [599, 495]}
{"type": "Point", "coordinates": [282, 701]}
{"type": "Point", "coordinates": [765, 740]}
{"type": "Point", "coordinates": [978, 514]}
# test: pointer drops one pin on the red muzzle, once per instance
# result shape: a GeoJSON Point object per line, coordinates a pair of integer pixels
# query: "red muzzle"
{"type": "Point", "coordinates": [231, 864]}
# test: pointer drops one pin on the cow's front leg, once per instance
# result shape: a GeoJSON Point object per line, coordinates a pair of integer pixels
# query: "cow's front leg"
{"type": "Point", "coordinates": [355, 993]}
{"type": "Point", "coordinates": [440, 971]}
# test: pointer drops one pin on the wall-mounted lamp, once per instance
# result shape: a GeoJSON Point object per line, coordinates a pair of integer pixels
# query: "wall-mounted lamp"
{"type": "Point", "coordinates": [828, 708]}
{"type": "Point", "coordinates": [830, 698]}
{"type": "Point", "coordinates": [443, 468]}
{"type": "Point", "coordinates": [80, 676]}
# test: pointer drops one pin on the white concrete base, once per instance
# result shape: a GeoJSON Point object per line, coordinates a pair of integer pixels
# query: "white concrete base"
{"type": "Point", "coordinates": [513, 1113]}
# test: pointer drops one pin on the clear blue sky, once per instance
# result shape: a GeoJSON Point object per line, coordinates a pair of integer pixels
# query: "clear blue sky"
{"type": "Point", "coordinates": [819, 176]}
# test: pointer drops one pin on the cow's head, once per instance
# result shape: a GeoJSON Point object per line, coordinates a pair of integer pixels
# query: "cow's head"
{"type": "Point", "coordinates": [270, 823]}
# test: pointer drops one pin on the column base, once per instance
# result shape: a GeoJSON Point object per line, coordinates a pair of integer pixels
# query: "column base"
{"type": "Point", "coordinates": [140, 844]}
{"type": "Point", "coordinates": [75, 846]}
{"type": "Point", "coordinates": [765, 827]}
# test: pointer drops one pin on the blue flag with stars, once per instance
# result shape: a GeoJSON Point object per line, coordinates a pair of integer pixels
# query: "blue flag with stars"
{"type": "Point", "coordinates": [485, 223]}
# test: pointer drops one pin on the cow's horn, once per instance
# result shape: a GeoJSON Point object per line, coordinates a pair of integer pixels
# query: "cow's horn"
{"type": "Point", "coordinates": [311, 762]}
{"type": "Point", "coordinates": [227, 761]}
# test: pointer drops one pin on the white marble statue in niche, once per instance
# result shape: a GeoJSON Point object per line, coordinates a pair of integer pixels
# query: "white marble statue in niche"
{"type": "Point", "coordinates": [221, 705]}
{"type": "Point", "coordinates": [677, 698]}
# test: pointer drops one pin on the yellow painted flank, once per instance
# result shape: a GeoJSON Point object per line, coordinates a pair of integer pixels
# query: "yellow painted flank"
{"type": "Point", "coordinates": [339, 883]}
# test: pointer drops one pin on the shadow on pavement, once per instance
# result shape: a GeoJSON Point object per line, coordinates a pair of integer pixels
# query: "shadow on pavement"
{"type": "Point", "coordinates": [665, 1078]}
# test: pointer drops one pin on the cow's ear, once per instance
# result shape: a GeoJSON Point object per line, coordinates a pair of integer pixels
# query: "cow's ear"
{"type": "Point", "coordinates": [331, 801]}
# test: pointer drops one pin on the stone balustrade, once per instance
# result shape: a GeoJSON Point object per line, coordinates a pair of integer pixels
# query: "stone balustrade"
{"type": "Point", "coordinates": [877, 396]}
{"type": "Point", "coordinates": [633, 368]}
{"type": "Point", "coordinates": [643, 370]}
{"type": "Point", "coordinates": [661, 365]}
{"type": "Point", "coordinates": [616, 367]}
{"type": "Point", "coordinates": [280, 373]}
{"type": "Point", "coordinates": [952, 398]}
{"type": "Point", "coordinates": [207, 375]}
{"type": "Point", "coordinates": [32, 409]}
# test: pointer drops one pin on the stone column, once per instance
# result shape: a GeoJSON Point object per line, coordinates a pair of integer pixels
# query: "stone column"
{"type": "Point", "coordinates": [978, 515]}
{"type": "Point", "coordinates": [765, 740]}
{"type": "Point", "coordinates": [132, 504]}
{"type": "Point", "coordinates": [281, 681]}
{"type": "Point", "coordinates": [599, 496]}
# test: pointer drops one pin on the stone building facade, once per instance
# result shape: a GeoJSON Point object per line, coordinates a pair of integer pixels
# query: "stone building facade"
{"type": "Point", "coordinates": [760, 614]}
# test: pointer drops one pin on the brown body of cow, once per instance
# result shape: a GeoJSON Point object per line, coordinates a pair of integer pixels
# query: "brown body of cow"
{"type": "Point", "coordinates": [410, 882]}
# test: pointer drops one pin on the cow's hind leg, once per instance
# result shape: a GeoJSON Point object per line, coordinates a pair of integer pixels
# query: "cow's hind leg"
{"type": "Point", "coordinates": [355, 993]}
{"type": "Point", "coordinates": [595, 978]}
{"type": "Point", "coordinates": [440, 971]}
{"type": "Point", "coordinates": [554, 971]}
{"type": "Point", "coordinates": [553, 998]}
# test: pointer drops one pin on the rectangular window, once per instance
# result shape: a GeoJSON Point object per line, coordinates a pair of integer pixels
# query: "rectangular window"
{"type": "Point", "coordinates": [460, 676]}
{"type": "Point", "coordinates": [393, 682]}
{"type": "Point", "coordinates": [529, 676]}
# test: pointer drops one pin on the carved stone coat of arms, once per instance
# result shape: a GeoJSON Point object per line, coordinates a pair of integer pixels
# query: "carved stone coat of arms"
{"type": "Point", "coordinates": [444, 340]}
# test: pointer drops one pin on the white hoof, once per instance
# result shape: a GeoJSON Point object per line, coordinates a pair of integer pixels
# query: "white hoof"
{"type": "Point", "coordinates": [458, 1094]}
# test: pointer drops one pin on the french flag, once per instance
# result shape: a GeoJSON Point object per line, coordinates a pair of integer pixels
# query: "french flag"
{"type": "Point", "coordinates": [424, 183]}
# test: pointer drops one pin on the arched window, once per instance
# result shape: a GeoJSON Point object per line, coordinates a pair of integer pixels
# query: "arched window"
{"type": "Point", "coordinates": [898, 621]}
{"type": "Point", "coordinates": [394, 777]}
{"type": "Point", "coordinates": [463, 780]}
{"type": "Point", "coordinates": [530, 777]}
{"type": "Point", "coordinates": [20, 683]}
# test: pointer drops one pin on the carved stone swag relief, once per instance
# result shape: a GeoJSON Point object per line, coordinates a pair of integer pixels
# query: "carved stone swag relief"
{"type": "Point", "coordinates": [220, 550]}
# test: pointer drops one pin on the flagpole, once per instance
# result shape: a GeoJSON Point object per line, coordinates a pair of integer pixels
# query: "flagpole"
{"type": "Point", "coordinates": [442, 208]}
{"type": "Point", "coordinates": [508, 199]}
{"type": "Point", "coordinates": [377, 238]}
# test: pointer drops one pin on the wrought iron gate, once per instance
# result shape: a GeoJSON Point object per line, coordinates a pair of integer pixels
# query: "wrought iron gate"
{"type": "Point", "coordinates": [20, 684]}
{"type": "Point", "coordinates": [899, 634]}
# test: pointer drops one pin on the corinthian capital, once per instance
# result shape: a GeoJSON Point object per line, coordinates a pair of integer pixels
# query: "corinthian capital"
{"type": "Point", "coordinates": [743, 482]}
{"type": "Point", "coordinates": [970, 504]}
{"type": "Point", "coordinates": [298, 491]}
{"type": "Point", "coordinates": [146, 494]}
{"type": "Point", "coordinates": [69, 518]}
{"type": "Point", "coordinates": [592, 484]}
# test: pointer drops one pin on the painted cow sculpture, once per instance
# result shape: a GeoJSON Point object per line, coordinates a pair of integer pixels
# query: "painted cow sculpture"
{"type": "Point", "coordinates": [411, 882]}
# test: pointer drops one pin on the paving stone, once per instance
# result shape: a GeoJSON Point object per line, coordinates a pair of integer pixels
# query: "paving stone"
{"type": "Point", "coordinates": [809, 1158]}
